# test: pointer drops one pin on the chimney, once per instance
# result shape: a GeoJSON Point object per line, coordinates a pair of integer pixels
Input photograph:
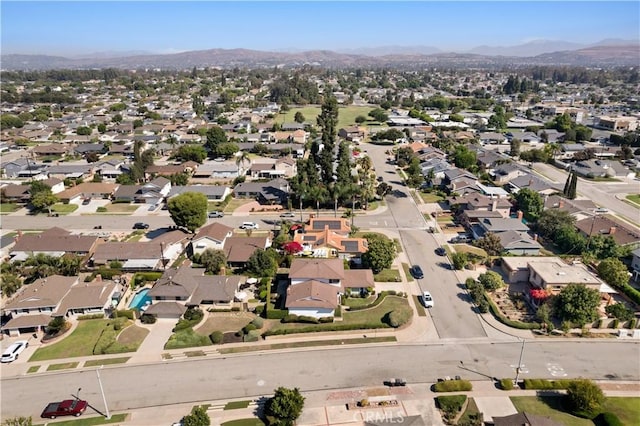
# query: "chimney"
{"type": "Point", "coordinates": [530, 182]}
{"type": "Point", "coordinates": [612, 230]}
{"type": "Point", "coordinates": [98, 277]}
{"type": "Point", "coordinates": [494, 205]}
{"type": "Point", "coordinates": [561, 203]}
{"type": "Point", "coordinates": [520, 214]}
{"type": "Point", "coordinates": [535, 237]}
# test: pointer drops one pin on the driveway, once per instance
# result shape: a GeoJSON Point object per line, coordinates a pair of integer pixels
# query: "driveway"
{"type": "Point", "coordinates": [153, 345]}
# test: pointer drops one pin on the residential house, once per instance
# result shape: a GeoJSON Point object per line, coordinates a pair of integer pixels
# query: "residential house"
{"type": "Point", "coordinates": [358, 282]}
{"type": "Point", "coordinates": [16, 193]}
{"type": "Point", "coordinates": [152, 192]}
{"type": "Point", "coordinates": [212, 192]}
{"type": "Point", "coordinates": [568, 150]}
{"type": "Point", "coordinates": [275, 191]}
{"type": "Point", "coordinates": [85, 190]}
{"type": "Point", "coordinates": [478, 202]}
{"type": "Point", "coordinates": [33, 307]}
{"type": "Point", "coordinates": [55, 242]}
{"type": "Point", "coordinates": [500, 224]}
{"type": "Point", "coordinates": [141, 255]}
{"type": "Point", "coordinates": [187, 167]}
{"type": "Point", "coordinates": [71, 171]}
{"type": "Point", "coordinates": [492, 138]}
{"type": "Point", "coordinates": [219, 170]}
{"type": "Point", "coordinates": [623, 234]}
{"type": "Point", "coordinates": [525, 137]}
{"type": "Point", "coordinates": [52, 150]}
{"type": "Point", "coordinates": [503, 173]}
{"type": "Point", "coordinates": [352, 133]}
{"type": "Point", "coordinates": [329, 237]}
{"type": "Point", "coordinates": [212, 236]}
{"type": "Point", "coordinates": [578, 208]}
{"type": "Point", "coordinates": [110, 169]}
{"type": "Point", "coordinates": [519, 243]}
{"type": "Point", "coordinates": [533, 183]}
{"type": "Point", "coordinates": [90, 148]}
{"type": "Point", "coordinates": [601, 168]}
{"type": "Point", "coordinates": [11, 169]}
{"type": "Point", "coordinates": [185, 287]}
{"type": "Point", "coordinates": [238, 250]}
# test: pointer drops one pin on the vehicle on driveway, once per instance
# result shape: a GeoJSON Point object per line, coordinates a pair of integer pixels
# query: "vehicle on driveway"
{"type": "Point", "coordinates": [416, 272]}
{"type": "Point", "coordinates": [427, 299]}
{"type": "Point", "coordinates": [461, 239]}
{"type": "Point", "coordinates": [216, 213]}
{"type": "Point", "coordinates": [68, 407]}
{"type": "Point", "coordinates": [14, 350]}
{"type": "Point", "coordinates": [140, 225]}
{"type": "Point", "coordinates": [86, 201]}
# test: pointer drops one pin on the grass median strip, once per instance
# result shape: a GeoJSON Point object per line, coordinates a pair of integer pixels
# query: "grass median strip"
{"type": "Point", "coordinates": [235, 405]}
{"type": "Point", "coordinates": [106, 361]}
{"type": "Point", "coordinates": [33, 369]}
{"type": "Point", "coordinates": [419, 307]}
{"type": "Point", "coordinates": [92, 421]}
{"type": "Point", "coordinates": [63, 366]}
{"type": "Point", "coordinates": [308, 344]}
{"type": "Point", "coordinates": [194, 353]}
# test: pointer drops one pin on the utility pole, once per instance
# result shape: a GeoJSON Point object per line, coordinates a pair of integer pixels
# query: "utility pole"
{"type": "Point", "coordinates": [519, 367]}
{"type": "Point", "coordinates": [104, 398]}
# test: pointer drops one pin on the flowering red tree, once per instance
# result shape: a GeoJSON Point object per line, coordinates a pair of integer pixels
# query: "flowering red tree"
{"type": "Point", "coordinates": [292, 247]}
{"type": "Point", "coordinates": [539, 295]}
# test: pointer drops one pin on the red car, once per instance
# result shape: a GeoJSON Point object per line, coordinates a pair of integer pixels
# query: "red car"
{"type": "Point", "coordinates": [68, 407]}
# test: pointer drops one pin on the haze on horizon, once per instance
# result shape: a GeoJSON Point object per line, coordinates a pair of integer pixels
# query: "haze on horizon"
{"type": "Point", "coordinates": [86, 27]}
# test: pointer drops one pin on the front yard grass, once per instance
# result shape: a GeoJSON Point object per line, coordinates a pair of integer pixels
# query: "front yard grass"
{"type": "Point", "coordinates": [120, 208]}
{"type": "Point", "coordinates": [244, 422]}
{"type": "Point", "coordinates": [356, 302]}
{"type": "Point", "coordinates": [234, 203]}
{"type": "Point", "coordinates": [387, 276]}
{"type": "Point", "coordinates": [627, 409]}
{"type": "Point", "coordinates": [308, 344]}
{"type": "Point", "coordinates": [6, 208]}
{"type": "Point", "coordinates": [418, 301]}
{"type": "Point", "coordinates": [93, 421]}
{"type": "Point", "coordinates": [224, 322]}
{"type": "Point", "coordinates": [62, 208]}
{"type": "Point", "coordinates": [430, 197]}
{"type": "Point", "coordinates": [405, 268]}
{"type": "Point", "coordinates": [91, 337]}
{"type": "Point", "coordinates": [63, 366]}
{"type": "Point", "coordinates": [634, 198]}
{"type": "Point", "coordinates": [476, 252]}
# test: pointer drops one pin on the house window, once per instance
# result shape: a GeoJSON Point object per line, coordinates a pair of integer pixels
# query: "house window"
{"type": "Point", "coordinates": [334, 281]}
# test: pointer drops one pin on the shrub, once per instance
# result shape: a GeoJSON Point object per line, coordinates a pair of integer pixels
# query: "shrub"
{"type": "Point", "coordinates": [506, 384]}
{"type": "Point", "coordinates": [252, 336]}
{"type": "Point", "coordinates": [453, 386]}
{"type": "Point", "coordinates": [515, 324]}
{"type": "Point", "coordinates": [325, 320]}
{"type": "Point", "coordinates": [258, 323]}
{"type": "Point", "coordinates": [126, 313]}
{"type": "Point", "coordinates": [585, 397]}
{"type": "Point", "coordinates": [216, 337]}
{"type": "Point", "coordinates": [101, 210]}
{"type": "Point", "coordinates": [88, 317]}
{"type": "Point", "coordinates": [459, 260]}
{"type": "Point", "coordinates": [259, 310]}
{"type": "Point", "coordinates": [193, 315]}
{"type": "Point", "coordinates": [451, 404]}
{"type": "Point", "coordinates": [148, 319]}
{"type": "Point", "coordinates": [247, 328]}
{"type": "Point", "coordinates": [301, 318]}
{"type": "Point", "coordinates": [543, 384]}
{"type": "Point", "coordinates": [399, 317]}
{"type": "Point", "coordinates": [615, 323]}
{"type": "Point", "coordinates": [632, 323]}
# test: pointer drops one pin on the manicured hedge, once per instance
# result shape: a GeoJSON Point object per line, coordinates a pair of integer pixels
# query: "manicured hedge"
{"type": "Point", "coordinates": [543, 384]}
{"type": "Point", "coordinates": [127, 313]}
{"type": "Point", "coordinates": [453, 386]}
{"type": "Point", "coordinates": [315, 329]}
{"type": "Point", "coordinates": [451, 403]}
{"type": "Point", "coordinates": [608, 419]}
{"type": "Point", "coordinates": [506, 384]}
{"type": "Point", "coordinates": [88, 317]}
{"type": "Point", "coordinates": [216, 337]}
{"type": "Point", "coordinates": [376, 302]}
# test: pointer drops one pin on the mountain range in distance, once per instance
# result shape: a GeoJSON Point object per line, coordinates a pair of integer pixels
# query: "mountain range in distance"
{"type": "Point", "coordinates": [611, 52]}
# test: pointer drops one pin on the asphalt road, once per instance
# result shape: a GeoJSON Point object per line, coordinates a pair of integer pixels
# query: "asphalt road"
{"type": "Point", "coordinates": [256, 374]}
{"type": "Point", "coordinates": [601, 193]}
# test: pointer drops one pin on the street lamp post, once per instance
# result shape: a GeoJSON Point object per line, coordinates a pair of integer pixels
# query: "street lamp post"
{"type": "Point", "coordinates": [519, 367]}
{"type": "Point", "coordinates": [104, 398]}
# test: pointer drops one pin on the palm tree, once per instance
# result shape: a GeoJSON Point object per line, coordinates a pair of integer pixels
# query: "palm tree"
{"type": "Point", "coordinates": [240, 160]}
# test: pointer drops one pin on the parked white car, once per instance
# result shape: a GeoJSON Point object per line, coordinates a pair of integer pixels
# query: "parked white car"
{"type": "Point", "coordinates": [427, 299]}
{"type": "Point", "coordinates": [249, 225]}
{"type": "Point", "coordinates": [12, 352]}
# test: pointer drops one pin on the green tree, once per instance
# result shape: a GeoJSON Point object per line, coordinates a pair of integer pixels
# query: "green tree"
{"type": "Point", "coordinates": [491, 280]}
{"type": "Point", "coordinates": [9, 283]}
{"type": "Point", "coordinates": [215, 136]}
{"type": "Point", "coordinates": [262, 263]}
{"type": "Point", "coordinates": [189, 210]}
{"type": "Point", "coordinates": [530, 203]}
{"type": "Point", "coordinates": [195, 153]}
{"type": "Point", "coordinates": [463, 157]}
{"type": "Point", "coordinates": [179, 179]}
{"type": "Point", "coordinates": [56, 325]}
{"type": "Point", "coordinates": [43, 200]}
{"type": "Point", "coordinates": [552, 220]}
{"type": "Point", "coordinates": [379, 115]}
{"type": "Point", "coordinates": [327, 121]}
{"type": "Point", "coordinates": [459, 260]}
{"type": "Point", "coordinates": [83, 130]}
{"type": "Point", "coordinates": [490, 243]}
{"type": "Point", "coordinates": [213, 260]}
{"type": "Point", "coordinates": [226, 150]}
{"type": "Point", "coordinates": [102, 128]}
{"type": "Point", "coordinates": [577, 304]}
{"type": "Point", "coordinates": [198, 417]}
{"type": "Point", "coordinates": [515, 145]}
{"type": "Point", "coordinates": [299, 117]}
{"type": "Point", "coordinates": [360, 119]}
{"type": "Point", "coordinates": [285, 406]}
{"type": "Point", "coordinates": [585, 396]}
{"type": "Point", "coordinates": [614, 272]}
{"type": "Point", "coordinates": [380, 252]}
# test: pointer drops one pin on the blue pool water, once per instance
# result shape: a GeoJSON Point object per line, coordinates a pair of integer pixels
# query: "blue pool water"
{"type": "Point", "coordinates": [140, 299]}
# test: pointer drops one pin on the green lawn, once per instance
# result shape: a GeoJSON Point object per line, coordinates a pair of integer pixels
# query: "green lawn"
{"type": "Point", "coordinates": [406, 267]}
{"type": "Point", "coordinates": [634, 198]}
{"type": "Point", "coordinates": [121, 208]}
{"type": "Point", "coordinates": [387, 276]}
{"type": "Point", "coordinates": [346, 115]}
{"type": "Point", "coordinates": [308, 344]}
{"type": "Point", "coordinates": [354, 302]}
{"type": "Point", "coordinates": [234, 405]}
{"type": "Point", "coordinates": [244, 422]}
{"type": "Point", "coordinates": [33, 369]}
{"type": "Point", "coordinates": [62, 208]}
{"type": "Point", "coordinates": [93, 421]}
{"type": "Point", "coordinates": [84, 339]}
{"type": "Point", "coordinates": [627, 409]}
{"type": "Point", "coordinates": [106, 361]}
{"type": "Point", "coordinates": [8, 208]}
{"type": "Point", "coordinates": [419, 307]}
{"type": "Point", "coordinates": [375, 315]}
{"type": "Point", "coordinates": [186, 339]}
{"type": "Point", "coordinates": [430, 197]}
{"type": "Point", "coordinates": [63, 366]}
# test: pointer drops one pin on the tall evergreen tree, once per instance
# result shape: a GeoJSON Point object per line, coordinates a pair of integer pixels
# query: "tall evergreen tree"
{"type": "Point", "coordinates": [328, 122]}
{"type": "Point", "coordinates": [565, 191]}
{"type": "Point", "coordinates": [573, 187]}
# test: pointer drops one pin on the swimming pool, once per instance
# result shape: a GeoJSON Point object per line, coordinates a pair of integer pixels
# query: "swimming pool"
{"type": "Point", "coordinates": [140, 299]}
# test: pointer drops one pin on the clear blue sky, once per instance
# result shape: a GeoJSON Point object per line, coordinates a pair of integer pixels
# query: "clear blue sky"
{"type": "Point", "coordinates": [80, 27]}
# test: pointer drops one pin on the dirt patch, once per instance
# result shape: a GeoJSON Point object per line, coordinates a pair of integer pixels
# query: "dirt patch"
{"type": "Point", "coordinates": [231, 338]}
{"type": "Point", "coordinates": [225, 322]}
